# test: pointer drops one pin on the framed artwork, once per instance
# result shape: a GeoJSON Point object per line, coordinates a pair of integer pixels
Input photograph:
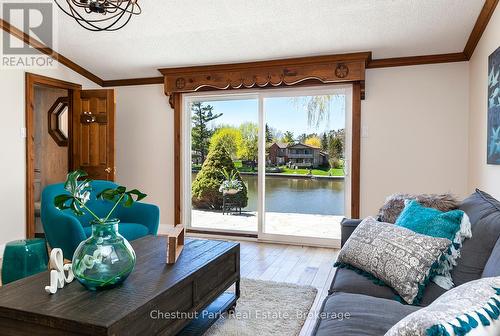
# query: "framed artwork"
{"type": "Point", "coordinates": [493, 148]}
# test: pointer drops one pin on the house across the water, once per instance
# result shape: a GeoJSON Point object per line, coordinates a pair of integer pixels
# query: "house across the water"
{"type": "Point", "coordinates": [296, 155]}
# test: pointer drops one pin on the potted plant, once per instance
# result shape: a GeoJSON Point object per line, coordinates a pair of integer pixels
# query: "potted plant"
{"type": "Point", "coordinates": [106, 258]}
{"type": "Point", "coordinates": [231, 185]}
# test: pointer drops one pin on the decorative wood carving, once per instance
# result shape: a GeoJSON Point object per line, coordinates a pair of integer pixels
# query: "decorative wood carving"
{"type": "Point", "coordinates": [322, 69]}
{"type": "Point", "coordinates": [341, 71]}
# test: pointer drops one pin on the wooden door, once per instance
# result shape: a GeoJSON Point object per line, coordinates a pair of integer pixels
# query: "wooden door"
{"type": "Point", "coordinates": [93, 132]}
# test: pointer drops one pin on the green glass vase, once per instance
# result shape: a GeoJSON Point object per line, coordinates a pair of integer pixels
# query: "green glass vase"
{"type": "Point", "coordinates": [105, 259]}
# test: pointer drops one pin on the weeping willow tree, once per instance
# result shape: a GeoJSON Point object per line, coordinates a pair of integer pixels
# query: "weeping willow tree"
{"type": "Point", "coordinates": [317, 108]}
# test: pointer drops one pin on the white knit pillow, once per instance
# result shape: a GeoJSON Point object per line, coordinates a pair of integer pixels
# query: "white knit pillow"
{"type": "Point", "coordinates": [471, 309]}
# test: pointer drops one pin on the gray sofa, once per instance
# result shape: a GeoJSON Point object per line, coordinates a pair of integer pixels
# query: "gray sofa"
{"type": "Point", "coordinates": [372, 309]}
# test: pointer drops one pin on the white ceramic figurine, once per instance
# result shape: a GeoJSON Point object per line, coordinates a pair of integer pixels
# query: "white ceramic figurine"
{"type": "Point", "coordinates": [58, 275]}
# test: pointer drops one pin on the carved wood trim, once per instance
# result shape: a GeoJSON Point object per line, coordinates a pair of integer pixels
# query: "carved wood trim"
{"type": "Point", "coordinates": [287, 72]}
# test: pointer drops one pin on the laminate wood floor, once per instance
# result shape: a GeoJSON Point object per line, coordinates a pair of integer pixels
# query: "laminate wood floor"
{"type": "Point", "coordinates": [300, 265]}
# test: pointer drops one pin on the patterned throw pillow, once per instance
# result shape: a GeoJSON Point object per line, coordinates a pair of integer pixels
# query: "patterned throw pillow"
{"type": "Point", "coordinates": [395, 256]}
{"type": "Point", "coordinates": [470, 309]}
{"type": "Point", "coordinates": [453, 225]}
{"type": "Point", "coordinates": [394, 204]}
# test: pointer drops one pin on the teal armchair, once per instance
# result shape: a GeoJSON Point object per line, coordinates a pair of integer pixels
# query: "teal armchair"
{"type": "Point", "coordinates": [65, 230]}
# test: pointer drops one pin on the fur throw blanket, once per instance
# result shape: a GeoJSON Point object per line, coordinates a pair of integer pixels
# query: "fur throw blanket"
{"type": "Point", "coordinates": [395, 203]}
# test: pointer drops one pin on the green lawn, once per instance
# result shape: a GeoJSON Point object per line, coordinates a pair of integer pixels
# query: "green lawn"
{"type": "Point", "coordinates": [320, 172]}
{"type": "Point", "coordinates": [285, 170]}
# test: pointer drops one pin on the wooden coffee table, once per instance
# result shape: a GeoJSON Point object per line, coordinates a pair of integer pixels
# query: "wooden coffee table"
{"type": "Point", "coordinates": [157, 299]}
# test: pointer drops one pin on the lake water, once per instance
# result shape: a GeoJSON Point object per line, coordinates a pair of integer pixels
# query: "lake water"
{"type": "Point", "coordinates": [298, 195]}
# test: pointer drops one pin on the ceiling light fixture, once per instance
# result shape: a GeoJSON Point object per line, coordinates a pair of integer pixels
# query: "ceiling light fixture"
{"type": "Point", "coordinates": [100, 15]}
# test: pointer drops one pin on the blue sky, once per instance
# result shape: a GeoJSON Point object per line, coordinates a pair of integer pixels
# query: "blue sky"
{"type": "Point", "coordinates": [281, 113]}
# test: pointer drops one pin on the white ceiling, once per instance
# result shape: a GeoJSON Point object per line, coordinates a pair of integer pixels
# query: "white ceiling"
{"type": "Point", "coordinates": [172, 33]}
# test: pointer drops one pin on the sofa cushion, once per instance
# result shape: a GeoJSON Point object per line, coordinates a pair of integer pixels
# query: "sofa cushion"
{"type": "Point", "coordinates": [400, 258]}
{"type": "Point", "coordinates": [368, 316]}
{"type": "Point", "coordinates": [395, 203]}
{"type": "Point", "coordinates": [484, 214]}
{"type": "Point", "coordinates": [349, 281]}
{"type": "Point", "coordinates": [492, 268]}
{"type": "Point", "coordinates": [130, 231]}
{"type": "Point", "coordinates": [453, 225]}
{"type": "Point", "coordinates": [347, 228]}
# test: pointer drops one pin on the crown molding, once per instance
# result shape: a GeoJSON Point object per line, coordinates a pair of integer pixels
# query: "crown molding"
{"type": "Point", "coordinates": [416, 60]}
{"type": "Point", "coordinates": [133, 81]}
{"type": "Point", "coordinates": [481, 23]}
{"type": "Point", "coordinates": [34, 43]}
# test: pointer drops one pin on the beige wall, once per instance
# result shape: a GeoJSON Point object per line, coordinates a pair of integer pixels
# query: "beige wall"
{"type": "Point", "coordinates": [416, 119]}
{"type": "Point", "coordinates": [482, 175]}
{"type": "Point", "coordinates": [144, 145]}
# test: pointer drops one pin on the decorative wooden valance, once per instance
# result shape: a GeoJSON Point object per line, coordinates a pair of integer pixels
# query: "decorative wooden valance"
{"type": "Point", "coordinates": [287, 72]}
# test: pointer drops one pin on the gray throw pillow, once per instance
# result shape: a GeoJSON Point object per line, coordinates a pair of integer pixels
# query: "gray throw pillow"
{"type": "Point", "coordinates": [393, 255]}
{"type": "Point", "coordinates": [394, 204]}
{"type": "Point", "coordinates": [469, 309]}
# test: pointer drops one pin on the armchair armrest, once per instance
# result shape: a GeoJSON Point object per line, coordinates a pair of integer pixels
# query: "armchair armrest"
{"type": "Point", "coordinates": [141, 213]}
{"type": "Point", "coordinates": [63, 231]}
{"type": "Point", "coordinates": [348, 226]}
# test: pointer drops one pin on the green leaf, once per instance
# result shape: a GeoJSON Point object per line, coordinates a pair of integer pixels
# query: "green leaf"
{"type": "Point", "coordinates": [128, 201]}
{"type": "Point", "coordinates": [71, 184]}
{"type": "Point", "coordinates": [140, 195]}
{"type": "Point", "coordinates": [76, 210]}
{"type": "Point", "coordinates": [60, 201]}
{"type": "Point", "coordinates": [108, 194]}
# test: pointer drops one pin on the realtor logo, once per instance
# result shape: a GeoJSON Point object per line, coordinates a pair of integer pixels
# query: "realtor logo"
{"type": "Point", "coordinates": [35, 19]}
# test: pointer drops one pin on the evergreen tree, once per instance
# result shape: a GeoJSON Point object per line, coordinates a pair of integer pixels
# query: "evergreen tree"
{"type": "Point", "coordinates": [269, 134]}
{"type": "Point", "coordinates": [324, 142]}
{"type": "Point", "coordinates": [205, 188]}
{"type": "Point", "coordinates": [200, 134]}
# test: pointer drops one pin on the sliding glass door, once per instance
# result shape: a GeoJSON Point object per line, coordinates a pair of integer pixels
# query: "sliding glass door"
{"type": "Point", "coordinates": [304, 180]}
{"type": "Point", "coordinates": [223, 146]}
{"type": "Point", "coordinates": [273, 163]}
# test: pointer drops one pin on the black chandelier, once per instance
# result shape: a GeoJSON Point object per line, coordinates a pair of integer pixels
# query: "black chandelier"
{"type": "Point", "coordinates": [100, 15]}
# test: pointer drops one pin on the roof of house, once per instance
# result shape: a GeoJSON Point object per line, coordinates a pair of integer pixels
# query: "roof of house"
{"type": "Point", "coordinates": [303, 144]}
{"type": "Point", "coordinates": [281, 144]}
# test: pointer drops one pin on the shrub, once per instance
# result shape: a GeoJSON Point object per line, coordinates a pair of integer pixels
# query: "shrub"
{"type": "Point", "coordinates": [205, 188]}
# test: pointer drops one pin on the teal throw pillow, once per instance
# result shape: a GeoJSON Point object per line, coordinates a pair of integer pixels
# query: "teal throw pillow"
{"type": "Point", "coordinates": [453, 225]}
